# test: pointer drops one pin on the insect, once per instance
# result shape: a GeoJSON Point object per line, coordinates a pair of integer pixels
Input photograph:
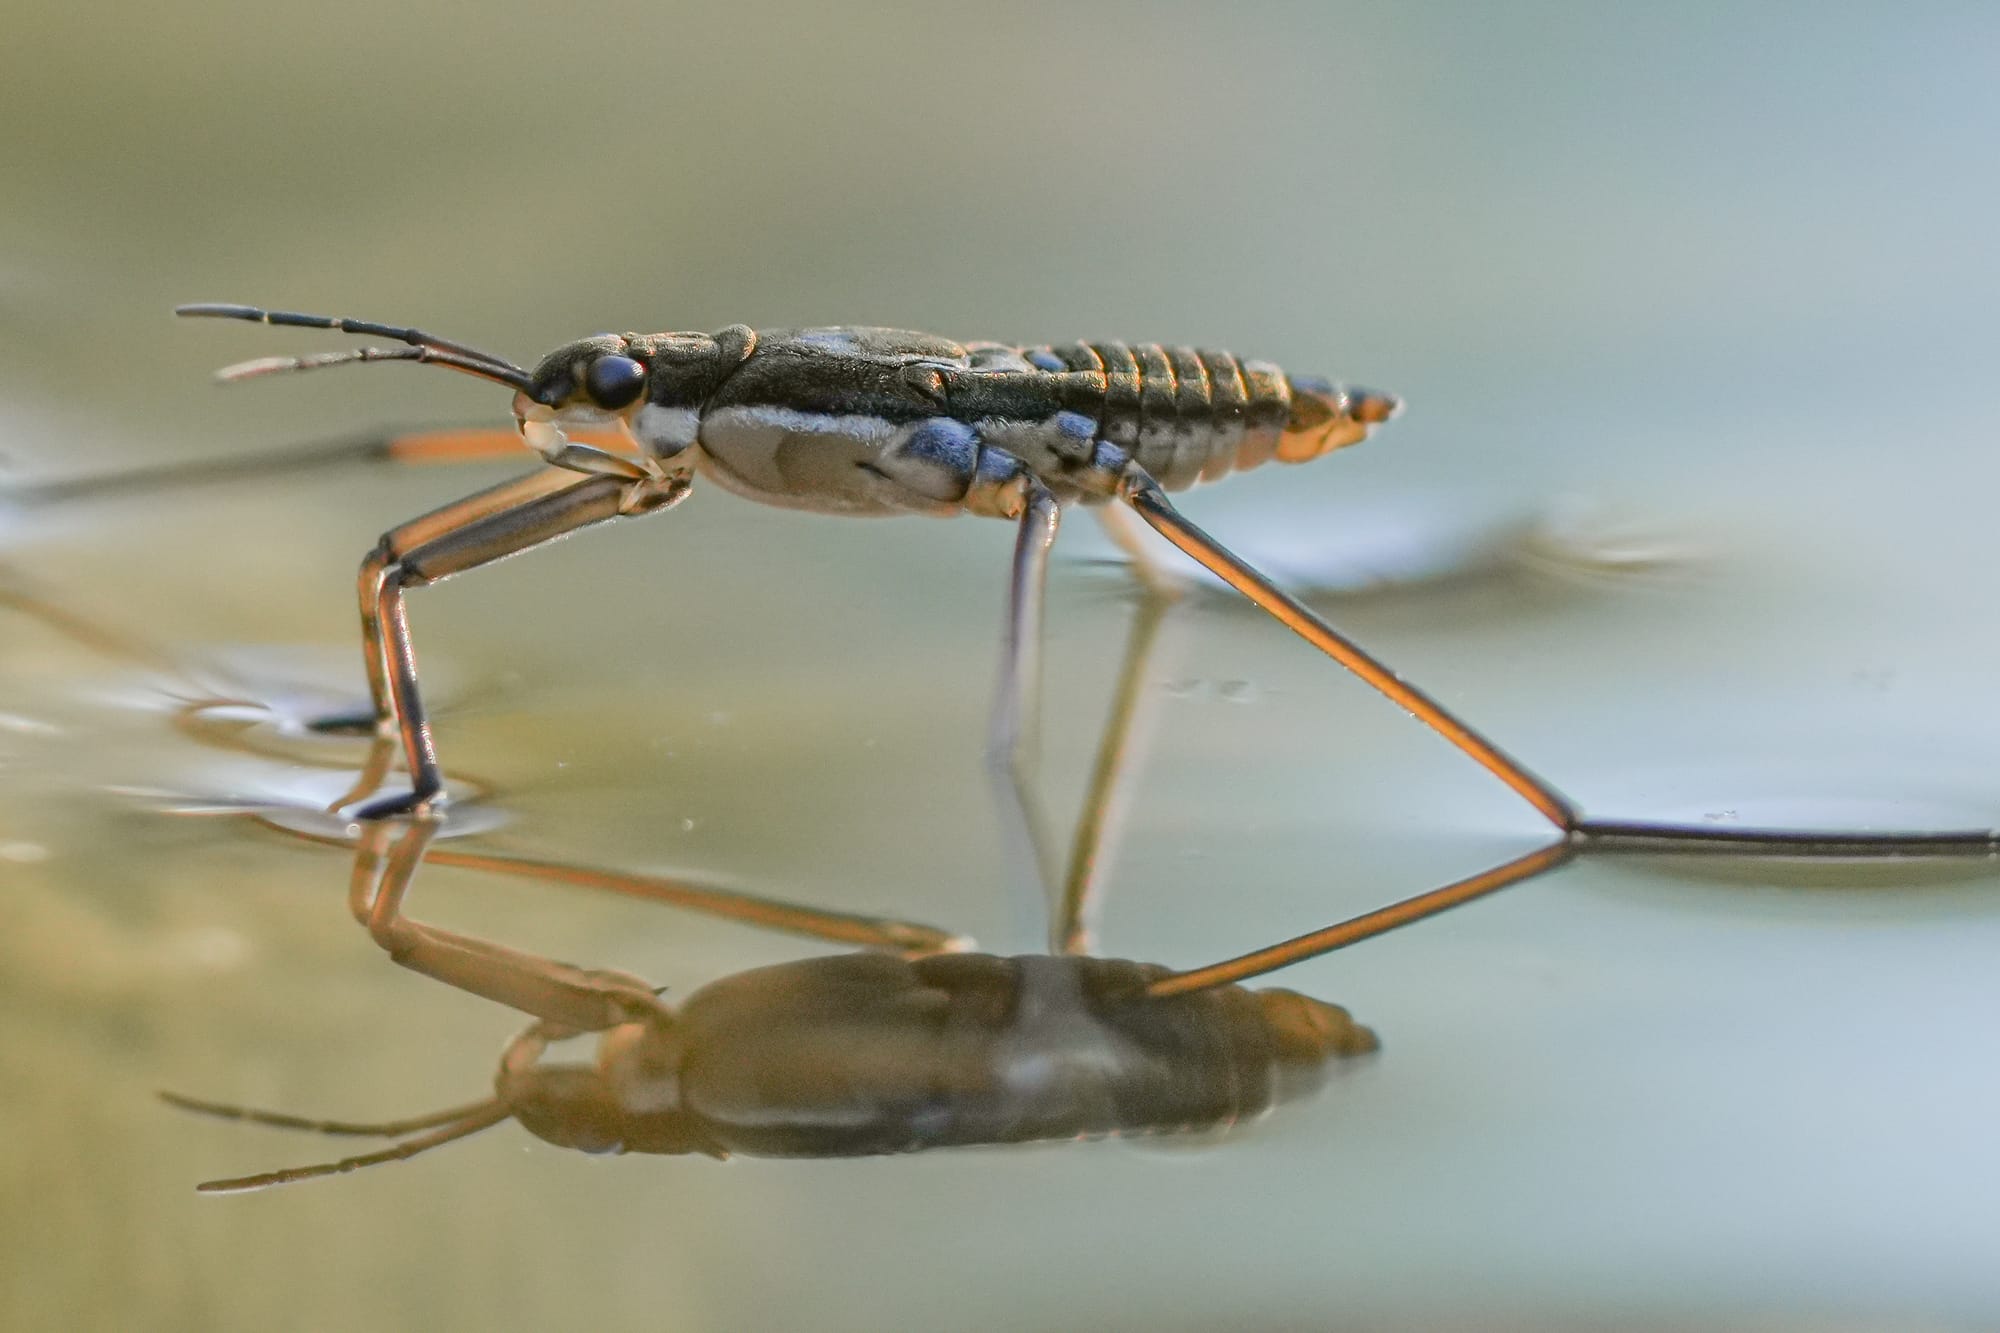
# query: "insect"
{"type": "Point", "coordinates": [862, 421]}
{"type": "Point", "coordinates": [910, 1045]}
{"type": "Point", "coordinates": [877, 421]}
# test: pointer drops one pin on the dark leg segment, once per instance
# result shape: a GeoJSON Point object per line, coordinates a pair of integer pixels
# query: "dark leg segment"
{"type": "Point", "coordinates": [502, 521]}
{"type": "Point", "coordinates": [1642, 837]}
{"type": "Point", "coordinates": [1144, 495]}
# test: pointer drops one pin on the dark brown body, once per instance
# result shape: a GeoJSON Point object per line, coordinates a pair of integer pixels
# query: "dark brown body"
{"type": "Point", "coordinates": [859, 420]}
{"type": "Point", "coordinates": [861, 1054]}
{"type": "Point", "coordinates": [1184, 414]}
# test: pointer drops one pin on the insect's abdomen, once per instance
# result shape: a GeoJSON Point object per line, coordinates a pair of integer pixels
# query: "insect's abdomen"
{"type": "Point", "coordinates": [1197, 414]}
{"type": "Point", "coordinates": [862, 1054]}
{"type": "Point", "coordinates": [1086, 1053]}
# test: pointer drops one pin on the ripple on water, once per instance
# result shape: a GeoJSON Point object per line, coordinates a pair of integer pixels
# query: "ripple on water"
{"type": "Point", "coordinates": [1419, 543]}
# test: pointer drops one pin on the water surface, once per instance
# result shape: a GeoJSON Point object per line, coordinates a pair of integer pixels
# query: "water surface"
{"type": "Point", "coordinates": [1726, 280]}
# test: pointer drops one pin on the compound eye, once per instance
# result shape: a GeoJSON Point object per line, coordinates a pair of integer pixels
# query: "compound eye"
{"type": "Point", "coordinates": [614, 381]}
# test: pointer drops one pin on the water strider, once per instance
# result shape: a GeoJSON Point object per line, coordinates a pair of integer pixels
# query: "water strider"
{"type": "Point", "coordinates": [861, 421]}
{"type": "Point", "coordinates": [856, 420]}
{"type": "Point", "coordinates": [865, 1053]}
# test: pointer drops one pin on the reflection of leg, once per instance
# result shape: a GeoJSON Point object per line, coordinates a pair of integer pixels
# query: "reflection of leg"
{"type": "Point", "coordinates": [506, 519]}
{"type": "Point", "coordinates": [862, 932]}
{"type": "Point", "coordinates": [205, 471]}
{"type": "Point", "coordinates": [471, 445]}
{"type": "Point", "coordinates": [1145, 495]}
{"type": "Point", "coordinates": [576, 999]}
{"type": "Point", "coordinates": [1131, 538]}
{"type": "Point", "coordinates": [1236, 970]}
{"type": "Point", "coordinates": [887, 934]}
{"type": "Point", "coordinates": [1074, 925]}
{"type": "Point", "coordinates": [444, 445]}
{"type": "Point", "coordinates": [1011, 740]}
{"type": "Point", "coordinates": [97, 638]}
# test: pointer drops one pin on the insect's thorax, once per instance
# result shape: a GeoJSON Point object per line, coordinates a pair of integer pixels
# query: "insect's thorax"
{"type": "Point", "coordinates": [866, 1053]}
{"type": "Point", "coordinates": [883, 421]}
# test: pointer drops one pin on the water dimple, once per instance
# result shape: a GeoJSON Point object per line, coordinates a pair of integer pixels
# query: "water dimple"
{"type": "Point", "coordinates": [297, 801]}
{"type": "Point", "coordinates": [461, 820]}
{"type": "Point", "coordinates": [1417, 543]}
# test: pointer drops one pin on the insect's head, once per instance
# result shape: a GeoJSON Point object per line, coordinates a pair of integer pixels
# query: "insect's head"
{"type": "Point", "coordinates": [1327, 416]}
{"type": "Point", "coordinates": [590, 378]}
{"type": "Point", "coordinates": [654, 382]}
{"type": "Point", "coordinates": [628, 1101]}
{"type": "Point", "coordinates": [581, 383]}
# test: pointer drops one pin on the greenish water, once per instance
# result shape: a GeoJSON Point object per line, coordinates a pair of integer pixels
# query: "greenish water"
{"type": "Point", "coordinates": [1728, 279]}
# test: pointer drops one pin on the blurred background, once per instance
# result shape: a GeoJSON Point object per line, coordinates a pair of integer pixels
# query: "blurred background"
{"type": "Point", "coordinates": [1692, 308]}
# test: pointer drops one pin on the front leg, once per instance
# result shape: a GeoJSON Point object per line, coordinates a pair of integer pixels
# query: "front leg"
{"type": "Point", "coordinates": [478, 530]}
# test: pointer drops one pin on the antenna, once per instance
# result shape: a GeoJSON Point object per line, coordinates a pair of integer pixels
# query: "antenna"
{"type": "Point", "coordinates": [424, 347]}
{"type": "Point", "coordinates": [457, 1123]}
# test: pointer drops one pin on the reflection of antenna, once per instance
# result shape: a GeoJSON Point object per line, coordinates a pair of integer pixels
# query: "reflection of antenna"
{"type": "Point", "coordinates": [457, 1123]}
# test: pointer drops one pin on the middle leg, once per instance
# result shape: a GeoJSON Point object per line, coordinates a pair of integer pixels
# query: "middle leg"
{"type": "Point", "coordinates": [1011, 738]}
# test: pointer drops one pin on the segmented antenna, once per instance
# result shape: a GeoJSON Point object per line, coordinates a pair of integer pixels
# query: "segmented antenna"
{"type": "Point", "coordinates": [271, 365]}
{"type": "Point", "coordinates": [424, 347]}
{"type": "Point", "coordinates": [382, 1129]}
{"type": "Point", "coordinates": [457, 1123]}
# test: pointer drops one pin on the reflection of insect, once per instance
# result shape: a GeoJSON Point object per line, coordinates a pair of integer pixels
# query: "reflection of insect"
{"type": "Point", "coordinates": [860, 1053]}
{"type": "Point", "coordinates": [857, 1054]}
{"type": "Point", "coordinates": [869, 1053]}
